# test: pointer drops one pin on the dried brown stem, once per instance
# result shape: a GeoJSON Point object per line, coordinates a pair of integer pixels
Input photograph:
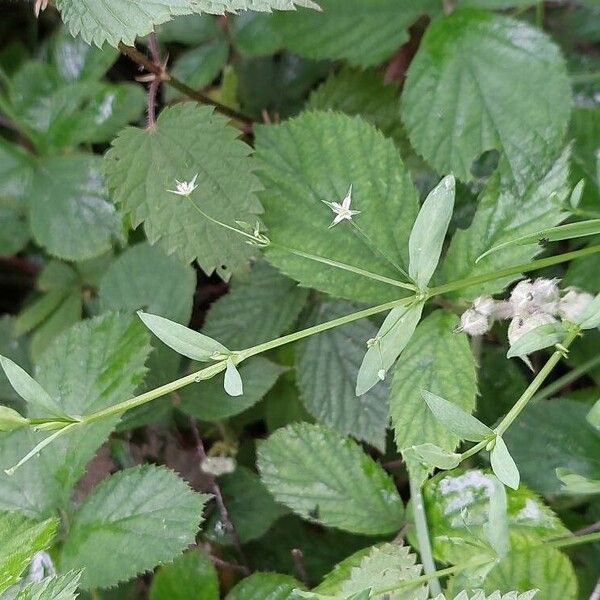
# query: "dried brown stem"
{"type": "Point", "coordinates": [216, 490]}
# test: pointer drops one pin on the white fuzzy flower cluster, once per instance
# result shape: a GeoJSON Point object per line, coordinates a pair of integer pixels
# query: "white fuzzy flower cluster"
{"type": "Point", "coordinates": [531, 304]}
{"type": "Point", "coordinates": [218, 465]}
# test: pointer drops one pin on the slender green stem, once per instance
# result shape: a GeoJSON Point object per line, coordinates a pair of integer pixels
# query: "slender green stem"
{"type": "Point", "coordinates": [422, 530]}
{"type": "Point", "coordinates": [566, 379]}
{"type": "Point", "coordinates": [293, 337]}
{"type": "Point", "coordinates": [539, 14]}
{"type": "Point", "coordinates": [474, 450]}
{"type": "Point", "coordinates": [574, 540]}
{"type": "Point", "coordinates": [581, 212]}
{"type": "Point", "coordinates": [541, 263]}
{"type": "Point", "coordinates": [345, 267]}
{"type": "Point", "coordinates": [163, 390]}
{"type": "Point", "coordinates": [535, 385]}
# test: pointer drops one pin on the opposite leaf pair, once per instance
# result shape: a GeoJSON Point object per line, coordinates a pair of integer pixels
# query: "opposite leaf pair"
{"type": "Point", "coordinates": [424, 248]}
{"type": "Point", "coordinates": [196, 346]}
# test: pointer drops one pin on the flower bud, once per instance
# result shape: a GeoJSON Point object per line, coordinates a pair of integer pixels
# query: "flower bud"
{"type": "Point", "coordinates": [218, 465]}
{"type": "Point", "coordinates": [474, 322]}
{"type": "Point", "coordinates": [484, 305]}
{"type": "Point", "coordinates": [546, 295]}
{"type": "Point", "coordinates": [10, 419]}
{"type": "Point", "coordinates": [521, 297]}
{"type": "Point", "coordinates": [520, 325]}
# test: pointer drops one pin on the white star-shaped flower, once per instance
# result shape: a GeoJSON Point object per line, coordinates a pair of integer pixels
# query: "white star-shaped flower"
{"type": "Point", "coordinates": [342, 211]}
{"type": "Point", "coordinates": [185, 188]}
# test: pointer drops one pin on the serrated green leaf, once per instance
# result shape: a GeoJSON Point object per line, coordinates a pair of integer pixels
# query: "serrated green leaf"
{"type": "Point", "coordinates": [458, 512]}
{"type": "Point", "coordinates": [93, 365]}
{"type": "Point", "coordinates": [69, 210]}
{"type": "Point", "coordinates": [114, 21]}
{"type": "Point", "coordinates": [209, 402]}
{"type": "Point", "coordinates": [502, 215]}
{"type": "Point", "coordinates": [166, 288]}
{"type": "Point", "coordinates": [132, 521]}
{"type": "Point", "coordinates": [251, 508]}
{"type": "Point", "coordinates": [245, 317]}
{"type": "Point", "coordinates": [333, 581]}
{"type": "Point", "coordinates": [192, 576]}
{"type": "Point", "coordinates": [453, 377]}
{"type": "Point", "coordinates": [382, 568]}
{"type": "Point", "coordinates": [568, 441]}
{"type": "Point", "coordinates": [577, 484]}
{"type": "Point", "coordinates": [429, 231]}
{"type": "Point", "coordinates": [14, 231]}
{"type": "Point", "coordinates": [328, 479]}
{"type": "Point", "coordinates": [301, 168]}
{"type": "Point", "coordinates": [20, 539]}
{"type": "Point", "coordinates": [265, 586]}
{"type": "Point", "coordinates": [503, 464]}
{"type": "Point", "coordinates": [537, 339]}
{"type": "Point", "coordinates": [552, 234]}
{"type": "Point", "coordinates": [496, 595]}
{"type": "Point", "coordinates": [178, 149]}
{"type": "Point", "coordinates": [62, 587]}
{"type": "Point", "coordinates": [364, 93]}
{"type": "Point", "coordinates": [327, 366]}
{"type": "Point", "coordinates": [232, 382]}
{"type": "Point", "coordinates": [384, 349]}
{"type": "Point", "coordinates": [460, 101]}
{"type": "Point", "coordinates": [456, 420]}
{"type": "Point", "coordinates": [182, 339]}
{"type": "Point", "coordinates": [534, 566]}
{"type": "Point", "coordinates": [348, 29]}
{"type": "Point", "coordinates": [39, 401]}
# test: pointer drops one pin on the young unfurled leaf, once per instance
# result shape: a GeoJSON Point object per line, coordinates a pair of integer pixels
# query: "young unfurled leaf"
{"type": "Point", "coordinates": [537, 339]}
{"type": "Point", "coordinates": [590, 317]}
{"type": "Point", "coordinates": [182, 339]}
{"type": "Point", "coordinates": [30, 390]}
{"type": "Point", "coordinates": [429, 231]}
{"type": "Point", "coordinates": [466, 426]}
{"type": "Point", "coordinates": [386, 346]}
{"type": "Point", "coordinates": [233, 380]}
{"type": "Point", "coordinates": [503, 464]}
{"type": "Point", "coordinates": [577, 484]}
{"type": "Point", "coordinates": [575, 197]}
{"type": "Point", "coordinates": [551, 234]}
{"type": "Point", "coordinates": [430, 454]}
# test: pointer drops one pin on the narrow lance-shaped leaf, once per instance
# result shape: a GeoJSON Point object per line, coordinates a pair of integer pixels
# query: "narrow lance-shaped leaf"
{"type": "Point", "coordinates": [551, 234]}
{"type": "Point", "coordinates": [466, 426]}
{"type": "Point", "coordinates": [432, 455]}
{"type": "Point", "coordinates": [384, 349]}
{"type": "Point", "coordinates": [577, 484]}
{"type": "Point", "coordinates": [10, 419]}
{"type": "Point", "coordinates": [29, 389]}
{"type": "Point", "coordinates": [537, 339]}
{"type": "Point", "coordinates": [182, 339]}
{"type": "Point", "coordinates": [233, 380]}
{"type": "Point", "coordinates": [590, 317]}
{"type": "Point", "coordinates": [429, 231]}
{"type": "Point", "coordinates": [503, 464]}
{"type": "Point", "coordinates": [496, 529]}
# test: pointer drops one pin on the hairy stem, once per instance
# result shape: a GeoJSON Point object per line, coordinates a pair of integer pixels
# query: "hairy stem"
{"type": "Point", "coordinates": [164, 75]}
{"type": "Point", "coordinates": [422, 531]}
{"type": "Point", "coordinates": [155, 83]}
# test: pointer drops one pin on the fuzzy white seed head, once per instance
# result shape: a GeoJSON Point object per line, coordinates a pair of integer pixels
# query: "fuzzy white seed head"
{"type": "Point", "coordinates": [504, 310]}
{"type": "Point", "coordinates": [485, 305]}
{"type": "Point", "coordinates": [521, 297]}
{"type": "Point", "coordinates": [474, 322]}
{"type": "Point", "coordinates": [218, 465]}
{"type": "Point", "coordinates": [573, 303]}
{"type": "Point", "coordinates": [546, 295]}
